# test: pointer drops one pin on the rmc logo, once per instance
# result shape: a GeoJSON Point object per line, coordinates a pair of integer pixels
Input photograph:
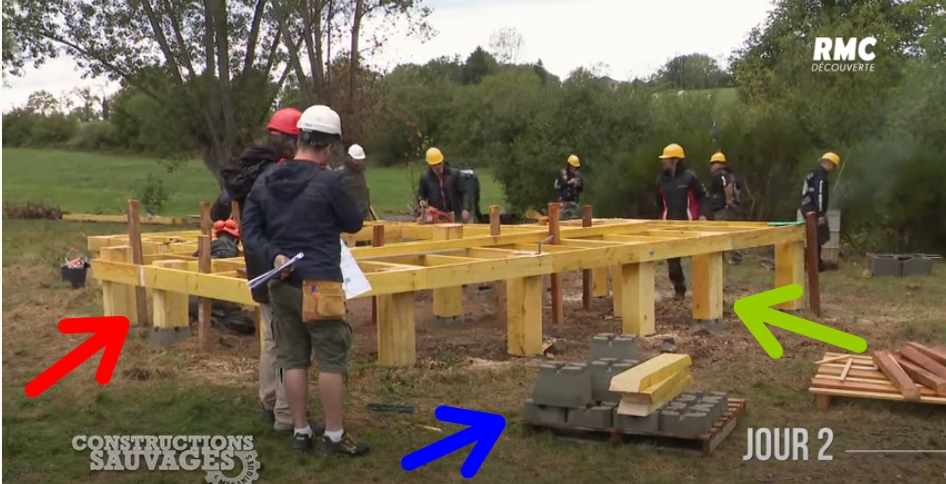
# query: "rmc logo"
{"type": "Point", "coordinates": [858, 55]}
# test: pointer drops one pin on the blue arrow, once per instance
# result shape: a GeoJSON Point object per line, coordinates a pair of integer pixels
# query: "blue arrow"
{"type": "Point", "coordinates": [484, 430]}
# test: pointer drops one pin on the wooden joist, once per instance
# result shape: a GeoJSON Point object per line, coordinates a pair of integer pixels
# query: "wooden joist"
{"type": "Point", "coordinates": [649, 373]}
{"type": "Point", "coordinates": [662, 391]}
{"type": "Point", "coordinates": [922, 376]}
{"type": "Point", "coordinates": [937, 354]}
{"type": "Point", "coordinates": [643, 409]}
{"type": "Point", "coordinates": [899, 378]}
{"type": "Point", "coordinates": [923, 361]}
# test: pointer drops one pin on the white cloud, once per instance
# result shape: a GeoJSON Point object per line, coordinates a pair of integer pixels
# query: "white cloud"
{"type": "Point", "coordinates": [633, 40]}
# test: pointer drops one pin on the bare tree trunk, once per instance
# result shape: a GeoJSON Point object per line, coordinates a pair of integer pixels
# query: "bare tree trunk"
{"type": "Point", "coordinates": [353, 68]}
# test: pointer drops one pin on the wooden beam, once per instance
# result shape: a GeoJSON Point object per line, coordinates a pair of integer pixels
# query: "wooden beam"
{"type": "Point", "coordinates": [524, 316]}
{"type": "Point", "coordinates": [117, 299]}
{"type": "Point", "coordinates": [170, 308]}
{"type": "Point", "coordinates": [396, 331]}
{"type": "Point", "coordinates": [922, 376]}
{"type": "Point", "coordinates": [204, 332]}
{"type": "Point", "coordinates": [898, 378]}
{"type": "Point", "coordinates": [812, 264]}
{"type": "Point", "coordinates": [498, 287]}
{"type": "Point", "coordinates": [134, 240]}
{"type": "Point", "coordinates": [937, 355]}
{"type": "Point", "coordinates": [706, 271]}
{"type": "Point", "coordinates": [448, 301]}
{"type": "Point", "coordinates": [586, 274]}
{"type": "Point", "coordinates": [637, 298]}
{"type": "Point", "coordinates": [555, 213]}
{"type": "Point", "coordinates": [790, 269]}
{"type": "Point", "coordinates": [377, 240]}
{"type": "Point", "coordinates": [659, 392]}
{"type": "Point", "coordinates": [923, 361]}
{"type": "Point", "coordinates": [649, 373]}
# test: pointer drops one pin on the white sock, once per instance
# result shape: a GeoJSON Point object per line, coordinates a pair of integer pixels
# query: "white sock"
{"type": "Point", "coordinates": [335, 436]}
{"type": "Point", "coordinates": [304, 431]}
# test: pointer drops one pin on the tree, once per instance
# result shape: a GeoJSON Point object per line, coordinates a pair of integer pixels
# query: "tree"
{"type": "Point", "coordinates": [44, 103]}
{"type": "Point", "coordinates": [478, 65]}
{"type": "Point", "coordinates": [506, 45]}
{"type": "Point", "coordinates": [692, 71]}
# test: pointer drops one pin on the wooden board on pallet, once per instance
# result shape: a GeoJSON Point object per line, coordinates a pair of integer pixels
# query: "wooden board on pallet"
{"type": "Point", "coordinates": [704, 444]}
{"type": "Point", "coordinates": [862, 379]}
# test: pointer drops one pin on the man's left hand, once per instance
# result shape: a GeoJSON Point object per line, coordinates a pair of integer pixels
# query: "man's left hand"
{"type": "Point", "coordinates": [466, 216]}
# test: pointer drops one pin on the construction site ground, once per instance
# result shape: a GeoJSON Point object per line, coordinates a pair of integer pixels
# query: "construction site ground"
{"type": "Point", "coordinates": [182, 391]}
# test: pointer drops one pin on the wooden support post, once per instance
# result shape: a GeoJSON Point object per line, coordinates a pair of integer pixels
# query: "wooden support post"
{"type": "Point", "coordinates": [707, 276]}
{"type": "Point", "coordinates": [555, 212]}
{"type": "Point", "coordinates": [495, 229]}
{"type": "Point", "coordinates": [396, 335]}
{"type": "Point", "coordinates": [790, 269]}
{"type": "Point", "coordinates": [134, 240]}
{"type": "Point", "coordinates": [599, 282]}
{"type": "Point", "coordinates": [616, 291]}
{"type": "Point", "coordinates": [205, 309]}
{"type": "Point", "coordinates": [170, 308]}
{"type": "Point", "coordinates": [814, 289]}
{"type": "Point", "coordinates": [586, 277]}
{"type": "Point", "coordinates": [235, 212]}
{"type": "Point", "coordinates": [206, 225]}
{"type": "Point", "coordinates": [448, 301]}
{"type": "Point", "coordinates": [377, 240]}
{"type": "Point", "coordinates": [524, 316]}
{"type": "Point", "coordinates": [119, 299]}
{"type": "Point", "coordinates": [637, 298]}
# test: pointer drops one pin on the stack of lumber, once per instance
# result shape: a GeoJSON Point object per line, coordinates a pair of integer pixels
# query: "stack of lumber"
{"type": "Point", "coordinates": [914, 373]}
{"type": "Point", "coordinates": [650, 385]}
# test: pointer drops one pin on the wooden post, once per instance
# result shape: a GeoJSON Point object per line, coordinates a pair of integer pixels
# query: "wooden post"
{"type": "Point", "coordinates": [377, 240]}
{"type": "Point", "coordinates": [555, 219]}
{"type": "Point", "coordinates": [814, 288]}
{"type": "Point", "coordinates": [119, 299]}
{"type": "Point", "coordinates": [235, 212]}
{"type": "Point", "coordinates": [448, 301]}
{"type": "Point", "coordinates": [636, 290]}
{"type": "Point", "coordinates": [617, 291]}
{"type": "Point", "coordinates": [134, 240]}
{"type": "Point", "coordinates": [707, 275]}
{"type": "Point", "coordinates": [790, 269]}
{"type": "Point", "coordinates": [205, 311]}
{"type": "Point", "coordinates": [396, 334]}
{"type": "Point", "coordinates": [170, 308]}
{"type": "Point", "coordinates": [586, 277]}
{"type": "Point", "coordinates": [206, 225]}
{"type": "Point", "coordinates": [524, 316]}
{"type": "Point", "coordinates": [495, 228]}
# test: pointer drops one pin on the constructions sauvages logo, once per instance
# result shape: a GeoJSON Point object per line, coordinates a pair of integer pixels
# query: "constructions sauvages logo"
{"type": "Point", "coordinates": [844, 55]}
{"type": "Point", "coordinates": [215, 455]}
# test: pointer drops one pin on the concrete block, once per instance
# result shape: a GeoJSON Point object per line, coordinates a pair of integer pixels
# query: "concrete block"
{"type": "Point", "coordinates": [688, 400]}
{"type": "Point", "coordinates": [599, 417]}
{"type": "Point", "coordinates": [650, 423]}
{"type": "Point", "coordinates": [601, 373]}
{"type": "Point", "coordinates": [169, 336]}
{"type": "Point", "coordinates": [447, 321]}
{"type": "Point", "coordinates": [675, 406]}
{"type": "Point", "coordinates": [888, 265]}
{"type": "Point", "coordinates": [708, 409]}
{"type": "Point", "coordinates": [695, 423]}
{"type": "Point", "coordinates": [607, 345]}
{"type": "Point", "coordinates": [669, 421]}
{"type": "Point", "coordinates": [544, 413]}
{"type": "Point", "coordinates": [563, 385]}
{"type": "Point", "coordinates": [917, 266]}
{"type": "Point", "coordinates": [694, 393]}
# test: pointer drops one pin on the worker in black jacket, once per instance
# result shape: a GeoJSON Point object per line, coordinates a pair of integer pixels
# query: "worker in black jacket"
{"type": "Point", "coordinates": [256, 161]}
{"type": "Point", "coordinates": [680, 196]}
{"type": "Point", "coordinates": [724, 197]}
{"type": "Point", "coordinates": [440, 187]}
{"type": "Point", "coordinates": [814, 199]}
{"type": "Point", "coordinates": [569, 185]}
{"type": "Point", "coordinates": [302, 207]}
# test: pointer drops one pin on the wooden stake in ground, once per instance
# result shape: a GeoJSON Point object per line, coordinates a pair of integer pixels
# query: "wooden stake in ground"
{"type": "Point", "coordinates": [203, 262]}
{"type": "Point", "coordinates": [586, 280]}
{"type": "Point", "coordinates": [555, 211]}
{"type": "Point", "coordinates": [499, 287]}
{"type": "Point", "coordinates": [898, 378]}
{"type": "Point", "coordinates": [377, 240]}
{"type": "Point", "coordinates": [134, 240]}
{"type": "Point", "coordinates": [812, 262]}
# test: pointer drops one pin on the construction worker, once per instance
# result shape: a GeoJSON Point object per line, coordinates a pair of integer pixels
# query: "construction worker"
{"type": "Point", "coordinates": [814, 199]}
{"type": "Point", "coordinates": [569, 185]}
{"type": "Point", "coordinates": [225, 314]}
{"type": "Point", "coordinates": [257, 160]}
{"type": "Point", "coordinates": [724, 197]}
{"type": "Point", "coordinates": [680, 196]}
{"type": "Point", "coordinates": [221, 208]}
{"type": "Point", "coordinates": [440, 187]}
{"type": "Point", "coordinates": [352, 172]}
{"type": "Point", "coordinates": [469, 186]}
{"type": "Point", "coordinates": [302, 207]}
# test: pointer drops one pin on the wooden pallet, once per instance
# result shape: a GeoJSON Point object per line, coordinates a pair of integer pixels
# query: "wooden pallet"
{"type": "Point", "coordinates": [856, 376]}
{"type": "Point", "coordinates": [704, 444]}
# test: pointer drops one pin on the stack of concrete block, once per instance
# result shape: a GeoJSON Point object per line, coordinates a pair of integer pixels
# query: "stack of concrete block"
{"type": "Point", "coordinates": [693, 412]}
{"type": "Point", "coordinates": [901, 265]}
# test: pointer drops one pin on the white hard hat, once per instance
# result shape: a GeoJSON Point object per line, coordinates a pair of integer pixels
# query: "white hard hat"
{"type": "Point", "coordinates": [356, 152]}
{"type": "Point", "coordinates": [321, 119]}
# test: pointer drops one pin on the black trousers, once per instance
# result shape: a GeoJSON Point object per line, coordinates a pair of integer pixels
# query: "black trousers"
{"type": "Point", "coordinates": [824, 235]}
{"type": "Point", "coordinates": [675, 267]}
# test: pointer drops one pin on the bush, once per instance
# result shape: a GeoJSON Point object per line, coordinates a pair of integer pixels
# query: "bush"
{"type": "Point", "coordinates": [31, 210]}
{"type": "Point", "coordinates": [93, 136]}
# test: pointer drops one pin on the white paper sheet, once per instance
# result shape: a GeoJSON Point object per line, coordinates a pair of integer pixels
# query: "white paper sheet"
{"type": "Point", "coordinates": [354, 281]}
{"type": "Point", "coordinates": [256, 281]}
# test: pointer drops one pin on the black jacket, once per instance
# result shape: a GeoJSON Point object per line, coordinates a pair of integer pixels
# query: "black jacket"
{"type": "Point", "coordinates": [255, 162]}
{"type": "Point", "coordinates": [814, 196]}
{"type": "Point", "coordinates": [682, 196]}
{"type": "Point", "coordinates": [221, 209]}
{"type": "Point", "coordinates": [566, 192]}
{"type": "Point", "coordinates": [721, 179]}
{"type": "Point", "coordinates": [442, 192]}
{"type": "Point", "coordinates": [300, 207]}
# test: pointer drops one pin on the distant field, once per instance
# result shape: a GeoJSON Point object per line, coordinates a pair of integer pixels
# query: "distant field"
{"type": "Point", "coordinates": [95, 183]}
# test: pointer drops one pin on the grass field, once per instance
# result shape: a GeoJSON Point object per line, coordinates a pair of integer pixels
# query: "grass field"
{"type": "Point", "coordinates": [95, 183]}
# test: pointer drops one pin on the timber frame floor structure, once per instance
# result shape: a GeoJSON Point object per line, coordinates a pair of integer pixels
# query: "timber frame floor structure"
{"type": "Point", "coordinates": [408, 257]}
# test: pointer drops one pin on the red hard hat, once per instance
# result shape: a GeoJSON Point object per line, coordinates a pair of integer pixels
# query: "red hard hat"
{"type": "Point", "coordinates": [228, 226]}
{"type": "Point", "coordinates": [285, 121]}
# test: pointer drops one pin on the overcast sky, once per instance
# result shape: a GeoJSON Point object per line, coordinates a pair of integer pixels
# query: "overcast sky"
{"type": "Point", "coordinates": [631, 39]}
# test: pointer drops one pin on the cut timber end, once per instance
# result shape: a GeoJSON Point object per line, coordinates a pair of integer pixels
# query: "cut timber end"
{"type": "Point", "coordinates": [899, 378]}
{"type": "Point", "coordinates": [649, 373]}
{"type": "Point", "coordinates": [635, 409]}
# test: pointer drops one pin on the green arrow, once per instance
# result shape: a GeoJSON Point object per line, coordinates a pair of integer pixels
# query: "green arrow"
{"type": "Point", "coordinates": [755, 312]}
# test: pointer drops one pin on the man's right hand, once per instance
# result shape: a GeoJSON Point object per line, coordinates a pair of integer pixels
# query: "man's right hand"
{"type": "Point", "coordinates": [279, 261]}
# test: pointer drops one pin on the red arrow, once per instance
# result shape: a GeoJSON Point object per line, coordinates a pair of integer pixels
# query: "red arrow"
{"type": "Point", "coordinates": [110, 333]}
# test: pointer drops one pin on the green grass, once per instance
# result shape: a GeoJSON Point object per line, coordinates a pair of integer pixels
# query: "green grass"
{"type": "Point", "coordinates": [96, 183]}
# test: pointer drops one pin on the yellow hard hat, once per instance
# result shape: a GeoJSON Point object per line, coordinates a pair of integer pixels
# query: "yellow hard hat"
{"type": "Point", "coordinates": [719, 157]}
{"type": "Point", "coordinates": [434, 156]}
{"type": "Point", "coordinates": [574, 161]}
{"type": "Point", "coordinates": [832, 157]}
{"type": "Point", "coordinates": [672, 150]}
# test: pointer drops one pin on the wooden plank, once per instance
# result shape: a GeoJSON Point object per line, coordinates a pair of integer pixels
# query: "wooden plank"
{"type": "Point", "coordinates": [636, 409]}
{"type": "Point", "coordinates": [934, 354]}
{"type": "Point", "coordinates": [836, 392]}
{"type": "Point", "coordinates": [660, 391]}
{"type": "Point", "coordinates": [833, 358]}
{"type": "Point", "coordinates": [649, 373]}
{"type": "Point", "coordinates": [919, 374]}
{"type": "Point", "coordinates": [923, 361]}
{"type": "Point", "coordinates": [899, 378]}
{"type": "Point", "coordinates": [847, 368]}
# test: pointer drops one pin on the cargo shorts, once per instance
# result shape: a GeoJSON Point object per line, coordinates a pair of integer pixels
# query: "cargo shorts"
{"type": "Point", "coordinates": [296, 339]}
